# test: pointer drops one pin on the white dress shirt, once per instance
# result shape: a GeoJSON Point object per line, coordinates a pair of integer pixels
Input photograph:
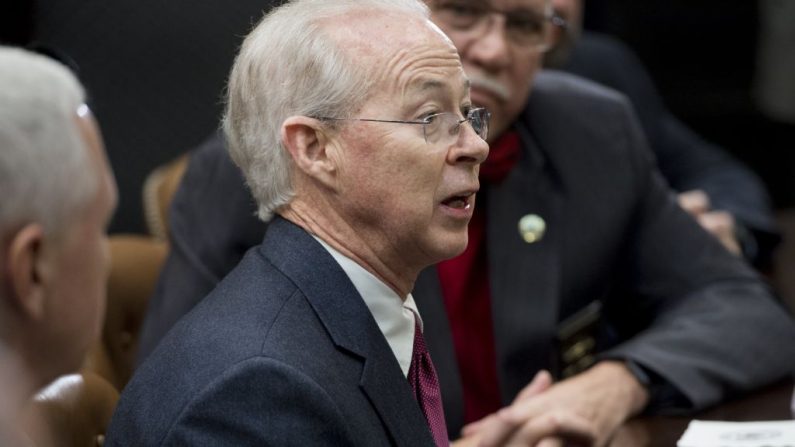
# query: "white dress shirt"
{"type": "Point", "coordinates": [394, 316]}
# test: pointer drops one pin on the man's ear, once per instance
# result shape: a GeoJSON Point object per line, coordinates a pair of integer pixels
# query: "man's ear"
{"type": "Point", "coordinates": [309, 148]}
{"type": "Point", "coordinates": [26, 270]}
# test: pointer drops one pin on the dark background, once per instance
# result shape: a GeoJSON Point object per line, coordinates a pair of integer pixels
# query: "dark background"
{"type": "Point", "coordinates": [702, 55]}
{"type": "Point", "coordinates": [155, 71]}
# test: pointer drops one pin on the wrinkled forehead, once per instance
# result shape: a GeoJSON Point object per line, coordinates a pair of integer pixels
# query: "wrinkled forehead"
{"type": "Point", "coordinates": [511, 4]}
{"type": "Point", "coordinates": [396, 49]}
{"type": "Point", "coordinates": [371, 35]}
{"type": "Point", "coordinates": [502, 5]}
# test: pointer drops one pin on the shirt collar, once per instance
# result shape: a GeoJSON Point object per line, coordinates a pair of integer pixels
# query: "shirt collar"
{"type": "Point", "coordinates": [394, 316]}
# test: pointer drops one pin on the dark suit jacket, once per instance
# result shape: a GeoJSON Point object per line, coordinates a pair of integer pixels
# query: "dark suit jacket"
{"type": "Point", "coordinates": [686, 160]}
{"type": "Point", "coordinates": [673, 299]}
{"type": "Point", "coordinates": [283, 352]}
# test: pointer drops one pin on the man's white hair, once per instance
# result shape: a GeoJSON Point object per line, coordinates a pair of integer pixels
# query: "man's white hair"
{"type": "Point", "coordinates": [43, 158]}
{"type": "Point", "coordinates": [288, 66]}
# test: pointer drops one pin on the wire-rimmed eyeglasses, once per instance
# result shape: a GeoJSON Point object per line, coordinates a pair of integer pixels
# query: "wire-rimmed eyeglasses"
{"type": "Point", "coordinates": [439, 128]}
{"type": "Point", "coordinates": [525, 27]}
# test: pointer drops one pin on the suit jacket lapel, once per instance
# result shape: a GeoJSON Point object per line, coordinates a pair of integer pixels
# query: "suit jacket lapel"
{"type": "Point", "coordinates": [391, 396]}
{"type": "Point", "coordinates": [351, 326]}
{"type": "Point", "coordinates": [524, 276]}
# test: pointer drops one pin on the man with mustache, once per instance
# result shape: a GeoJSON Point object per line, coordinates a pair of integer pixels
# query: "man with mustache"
{"type": "Point", "coordinates": [726, 198]}
{"type": "Point", "coordinates": [579, 257]}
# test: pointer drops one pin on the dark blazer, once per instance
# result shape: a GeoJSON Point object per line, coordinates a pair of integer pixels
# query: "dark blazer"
{"type": "Point", "coordinates": [686, 160]}
{"type": "Point", "coordinates": [283, 352]}
{"type": "Point", "coordinates": [673, 300]}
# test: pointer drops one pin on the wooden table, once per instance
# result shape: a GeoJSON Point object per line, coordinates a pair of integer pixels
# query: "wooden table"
{"type": "Point", "coordinates": [771, 403]}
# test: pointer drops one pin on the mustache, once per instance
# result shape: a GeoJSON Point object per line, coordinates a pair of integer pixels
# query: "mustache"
{"type": "Point", "coordinates": [491, 85]}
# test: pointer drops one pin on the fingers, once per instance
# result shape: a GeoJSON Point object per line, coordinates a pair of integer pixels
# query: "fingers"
{"type": "Point", "coordinates": [694, 202]}
{"type": "Point", "coordinates": [721, 224]}
{"type": "Point", "coordinates": [550, 442]}
{"type": "Point", "coordinates": [556, 424]}
{"type": "Point", "coordinates": [473, 427]}
{"type": "Point", "coordinates": [512, 428]}
{"type": "Point", "coordinates": [468, 441]}
{"type": "Point", "coordinates": [540, 383]}
{"type": "Point", "coordinates": [495, 428]}
{"type": "Point", "coordinates": [718, 223]}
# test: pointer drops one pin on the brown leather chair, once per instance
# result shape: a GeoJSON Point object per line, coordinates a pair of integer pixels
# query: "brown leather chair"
{"type": "Point", "coordinates": [159, 188]}
{"type": "Point", "coordinates": [135, 265]}
{"type": "Point", "coordinates": [136, 261]}
{"type": "Point", "coordinates": [73, 411]}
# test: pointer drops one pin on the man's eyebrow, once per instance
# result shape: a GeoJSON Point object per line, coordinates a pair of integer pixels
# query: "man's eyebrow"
{"type": "Point", "coordinates": [423, 85]}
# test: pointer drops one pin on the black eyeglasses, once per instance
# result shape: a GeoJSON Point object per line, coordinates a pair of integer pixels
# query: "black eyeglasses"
{"type": "Point", "coordinates": [439, 128]}
{"type": "Point", "coordinates": [524, 27]}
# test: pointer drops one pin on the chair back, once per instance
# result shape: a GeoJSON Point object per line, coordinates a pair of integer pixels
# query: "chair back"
{"type": "Point", "coordinates": [73, 411]}
{"type": "Point", "coordinates": [135, 265]}
{"type": "Point", "coordinates": [158, 190]}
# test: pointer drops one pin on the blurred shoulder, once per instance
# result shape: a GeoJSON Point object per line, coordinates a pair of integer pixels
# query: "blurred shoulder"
{"type": "Point", "coordinates": [554, 88]}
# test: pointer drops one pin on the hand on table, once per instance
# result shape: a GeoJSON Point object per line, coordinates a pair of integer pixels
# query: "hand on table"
{"type": "Point", "coordinates": [583, 410]}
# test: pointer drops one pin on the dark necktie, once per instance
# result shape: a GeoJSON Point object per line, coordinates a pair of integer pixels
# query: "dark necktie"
{"type": "Point", "coordinates": [424, 383]}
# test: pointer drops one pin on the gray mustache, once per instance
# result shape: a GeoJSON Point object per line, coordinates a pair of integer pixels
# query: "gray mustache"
{"type": "Point", "coordinates": [491, 85]}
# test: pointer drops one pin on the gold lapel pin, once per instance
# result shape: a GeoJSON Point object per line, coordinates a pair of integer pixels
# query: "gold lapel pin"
{"type": "Point", "coordinates": [532, 228]}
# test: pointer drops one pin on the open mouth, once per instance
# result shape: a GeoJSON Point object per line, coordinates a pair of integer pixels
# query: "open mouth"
{"type": "Point", "coordinates": [459, 202]}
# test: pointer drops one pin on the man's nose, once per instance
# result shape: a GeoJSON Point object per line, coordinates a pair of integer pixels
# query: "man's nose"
{"type": "Point", "coordinates": [470, 149]}
{"type": "Point", "coordinates": [490, 49]}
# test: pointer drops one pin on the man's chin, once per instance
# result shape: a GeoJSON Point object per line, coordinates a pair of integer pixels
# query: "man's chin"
{"type": "Point", "coordinates": [453, 247]}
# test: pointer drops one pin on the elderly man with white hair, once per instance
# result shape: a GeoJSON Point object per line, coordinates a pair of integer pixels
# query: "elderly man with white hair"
{"type": "Point", "coordinates": [58, 196]}
{"type": "Point", "coordinates": [352, 123]}
{"type": "Point", "coordinates": [580, 262]}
